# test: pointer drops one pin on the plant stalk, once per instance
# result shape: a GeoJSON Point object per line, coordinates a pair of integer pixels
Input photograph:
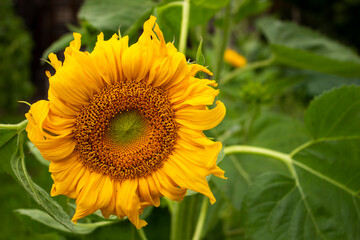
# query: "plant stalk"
{"type": "Point", "coordinates": [142, 234]}
{"type": "Point", "coordinates": [201, 219]}
{"type": "Point", "coordinates": [184, 26]}
{"type": "Point", "coordinates": [224, 41]}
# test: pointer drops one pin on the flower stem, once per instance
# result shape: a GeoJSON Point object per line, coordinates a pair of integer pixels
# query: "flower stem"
{"type": "Point", "coordinates": [19, 126]}
{"type": "Point", "coordinates": [142, 234]}
{"type": "Point", "coordinates": [184, 25]}
{"type": "Point", "coordinates": [201, 219]}
{"type": "Point", "coordinates": [250, 66]}
{"type": "Point", "coordinates": [183, 218]}
{"type": "Point", "coordinates": [174, 220]}
{"type": "Point", "coordinates": [258, 151]}
{"type": "Point", "coordinates": [224, 40]}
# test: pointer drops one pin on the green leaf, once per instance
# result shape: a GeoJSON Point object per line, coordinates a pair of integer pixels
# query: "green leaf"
{"type": "Point", "coordinates": [200, 59]}
{"type": "Point", "coordinates": [303, 48]}
{"type": "Point", "coordinates": [7, 135]}
{"type": "Point", "coordinates": [111, 14]}
{"type": "Point", "coordinates": [317, 83]}
{"type": "Point", "coordinates": [335, 114]}
{"type": "Point", "coordinates": [46, 219]}
{"type": "Point", "coordinates": [321, 198]}
{"type": "Point", "coordinates": [36, 192]}
{"type": "Point", "coordinates": [241, 172]}
{"type": "Point", "coordinates": [216, 4]}
{"type": "Point", "coordinates": [246, 8]}
{"type": "Point", "coordinates": [278, 132]}
{"type": "Point", "coordinates": [7, 148]}
{"type": "Point", "coordinates": [274, 131]}
{"type": "Point", "coordinates": [274, 210]}
{"type": "Point", "coordinates": [8, 144]}
{"type": "Point", "coordinates": [37, 154]}
{"type": "Point", "coordinates": [58, 45]}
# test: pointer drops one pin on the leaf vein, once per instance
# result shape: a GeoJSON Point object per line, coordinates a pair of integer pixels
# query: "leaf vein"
{"type": "Point", "coordinates": [325, 178]}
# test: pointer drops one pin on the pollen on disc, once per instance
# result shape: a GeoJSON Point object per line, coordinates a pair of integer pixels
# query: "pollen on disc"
{"type": "Point", "coordinates": [126, 131]}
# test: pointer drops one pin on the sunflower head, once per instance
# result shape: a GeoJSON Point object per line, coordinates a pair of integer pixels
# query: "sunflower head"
{"type": "Point", "coordinates": [123, 126]}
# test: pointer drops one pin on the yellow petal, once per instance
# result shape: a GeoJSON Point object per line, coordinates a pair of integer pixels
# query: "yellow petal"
{"type": "Point", "coordinates": [167, 186]}
{"type": "Point", "coordinates": [86, 202]}
{"type": "Point", "coordinates": [201, 119]}
{"type": "Point", "coordinates": [188, 177]}
{"type": "Point", "coordinates": [148, 191]}
{"type": "Point", "coordinates": [128, 202]}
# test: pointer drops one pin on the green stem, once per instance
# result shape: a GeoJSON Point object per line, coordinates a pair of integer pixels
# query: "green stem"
{"type": "Point", "coordinates": [249, 123]}
{"type": "Point", "coordinates": [184, 25]}
{"type": "Point", "coordinates": [174, 220]}
{"type": "Point", "coordinates": [250, 66]}
{"type": "Point", "coordinates": [201, 219]}
{"type": "Point", "coordinates": [224, 40]}
{"type": "Point", "coordinates": [142, 234]}
{"type": "Point", "coordinates": [183, 218]}
{"type": "Point", "coordinates": [260, 151]}
{"type": "Point", "coordinates": [19, 126]}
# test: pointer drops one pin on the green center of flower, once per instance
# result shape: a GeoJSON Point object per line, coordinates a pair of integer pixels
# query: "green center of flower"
{"type": "Point", "coordinates": [127, 131]}
{"type": "Point", "coordinates": [127, 127]}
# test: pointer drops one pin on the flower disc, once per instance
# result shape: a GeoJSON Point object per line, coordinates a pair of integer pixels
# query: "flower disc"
{"type": "Point", "coordinates": [126, 131]}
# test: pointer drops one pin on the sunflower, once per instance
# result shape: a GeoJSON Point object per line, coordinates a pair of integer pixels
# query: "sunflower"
{"type": "Point", "coordinates": [123, 126]}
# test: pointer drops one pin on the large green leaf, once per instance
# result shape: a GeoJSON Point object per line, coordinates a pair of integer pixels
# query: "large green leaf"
{"type": "Point", "coordinates": [13, 161]}
{"type": "Point", "coordinates": [321, 197]}
{"type": "Point", "coordinates": [274, 210]}
{"type": "Point", "coordinates": [278, 132]}
{"type": "Point", "coordinates": [301, 47]}
{"type": "Point", "coordinates": [335, 114]}
{"type": "Point", "coordinates": [111, 14]}
{"type": "Point", "coordinates": [36, 192]}
{"type": "Point", "coordinates": [274, 131]}
{"type": "Point", "coordinates": [46, 219]}
{"type": "Point", "coordinates": [8, 138]}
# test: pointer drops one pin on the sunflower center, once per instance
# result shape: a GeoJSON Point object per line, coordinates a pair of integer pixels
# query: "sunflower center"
{"type": "Point", "coordinates": [127, 127]}
{"type": "Point", "coordinates": [126, 131]}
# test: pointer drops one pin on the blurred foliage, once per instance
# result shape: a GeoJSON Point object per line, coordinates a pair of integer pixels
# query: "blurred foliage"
{"type": "Point", "coordinates": [15, 57]}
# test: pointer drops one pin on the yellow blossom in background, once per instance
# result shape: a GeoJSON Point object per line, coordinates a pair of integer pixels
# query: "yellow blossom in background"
{"type": "Point", "coordinates": [233, 58]}
{"type": "Point", "coordinates": [123, 126]}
